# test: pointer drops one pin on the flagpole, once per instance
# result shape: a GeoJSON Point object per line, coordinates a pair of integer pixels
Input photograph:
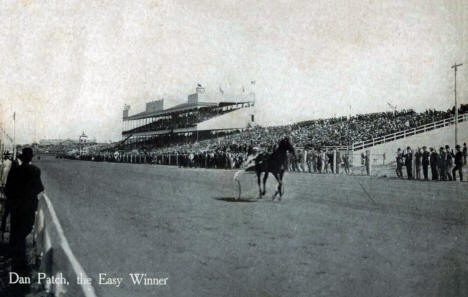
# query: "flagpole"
{"type": "Point", "coordinates": [252, 83]}
{"type": "Point", "coordinates": [14, 135]}
{"type": "Point", "coordinates": [455, 66]}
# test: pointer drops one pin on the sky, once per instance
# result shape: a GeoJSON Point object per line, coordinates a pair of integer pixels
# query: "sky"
{"type": "Point", "coordinates": [70, 66]}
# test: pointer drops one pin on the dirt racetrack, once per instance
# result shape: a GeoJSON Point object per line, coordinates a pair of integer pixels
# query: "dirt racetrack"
{"type": "Point", "coordinates": [330, 236]}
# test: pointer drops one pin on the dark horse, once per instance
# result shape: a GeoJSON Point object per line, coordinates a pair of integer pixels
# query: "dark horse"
{"type": "Point", "coordinates": [274, 163]}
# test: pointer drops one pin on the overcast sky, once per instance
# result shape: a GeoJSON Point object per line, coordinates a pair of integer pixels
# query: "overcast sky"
{"type": "Point", "coordinates": [70, 66]}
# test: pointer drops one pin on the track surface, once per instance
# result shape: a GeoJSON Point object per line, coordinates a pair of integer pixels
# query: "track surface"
{"type": "Point", "coordinates": [330, 236]}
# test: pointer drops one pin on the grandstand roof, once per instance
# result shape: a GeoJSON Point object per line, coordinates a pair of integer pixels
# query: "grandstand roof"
{"type": "Point", "coordinates": [177, 108]}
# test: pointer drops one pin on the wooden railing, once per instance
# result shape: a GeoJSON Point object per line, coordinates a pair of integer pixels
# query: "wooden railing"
{"type": "Point", "coordinates": [408, 132]}
{"type": "Point", "coordinates": [55, 255]}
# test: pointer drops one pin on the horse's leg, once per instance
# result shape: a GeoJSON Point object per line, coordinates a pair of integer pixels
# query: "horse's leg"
{"type": "Point", "coordinates": [265, 177]}
{"type": "Point", "coordinates": [278, 188]}
{"type": "Point", "coordinates": [259, 173]}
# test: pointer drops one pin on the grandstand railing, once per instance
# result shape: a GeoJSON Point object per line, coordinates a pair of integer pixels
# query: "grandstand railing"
{"type": "Point", "coordinates": [55, 255]}
{"type": "Point", "coordinates": [408, 132]}
{"type": "Point", "coordinates": [336, 147]}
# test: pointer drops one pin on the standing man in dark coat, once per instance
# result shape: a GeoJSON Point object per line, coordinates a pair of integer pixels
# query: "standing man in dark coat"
{"type": "Point", "coordinates": [465, 153]}
{"type": "Point", "coordinates": [399, 163]}
{"type": "Point", "coordinates": [409, 162]}
{"type": "Point", "coordinates": [23, 185]}
{"type": "Point", "coordinates": [425, 162]}
{"type": "Point", "coordinates": [442, 158]}
{"type": "Point", "coordinates": [434, 160]}
{"type": "Point", "coordinates": [418, 161]}
{"type": "Point", "coordinates": [458, 164]}
{"type": "Point", "coordinates": [448, 162]}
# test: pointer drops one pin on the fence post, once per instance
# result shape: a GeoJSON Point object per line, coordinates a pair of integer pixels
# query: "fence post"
{"type": "Point", "coordinates": [368, 163]}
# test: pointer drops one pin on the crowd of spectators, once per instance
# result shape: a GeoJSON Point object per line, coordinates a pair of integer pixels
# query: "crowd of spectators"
{"type": "Point", "coordinates": [209, 159]}
{"type": "Point", "coordinates": [312, 137]}
{"type": "Point", "coordinates": [443, 164]}
{"type": "Point", "coordinates": [339, 131]}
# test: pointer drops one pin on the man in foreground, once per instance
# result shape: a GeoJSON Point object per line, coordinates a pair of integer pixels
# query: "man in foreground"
{"type": "Point", "coordinates": [22, 187]}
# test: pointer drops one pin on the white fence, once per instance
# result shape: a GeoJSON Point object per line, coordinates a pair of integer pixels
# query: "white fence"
{"type": "Point", "coordinates": [55, 254]}
{"type": "Point", "coordinates": [405, 133]}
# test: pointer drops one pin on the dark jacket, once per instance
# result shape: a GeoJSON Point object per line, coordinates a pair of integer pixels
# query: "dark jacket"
{"type": "Point", "coordinates": [449, 159]}
{"type": "Point", "coordinates": [23, 185]}
{"type": "Point", "coordinates": [459, 159]}
{"type": "Point", "coordinates": [442, 159]}
{"type": "Point", "coordinates": [418, 158]}
{"type": "Point", "coordinates": [399, 160]}
{"type": "Point", "coordinates": [434, 159]}
{"type": "Point", "coordinates": [425, 158]}
{"type": "Point", "coordinates": [409, 158]}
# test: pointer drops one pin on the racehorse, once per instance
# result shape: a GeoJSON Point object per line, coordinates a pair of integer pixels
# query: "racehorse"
{"type": "Point", "coordinates": [274, 163]}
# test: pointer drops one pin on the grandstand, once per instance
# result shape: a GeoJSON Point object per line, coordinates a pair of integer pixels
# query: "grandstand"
{"type": "Point", "coordinates": [194, 120]}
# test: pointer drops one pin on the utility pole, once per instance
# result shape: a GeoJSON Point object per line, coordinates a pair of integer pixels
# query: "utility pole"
{"type": "Point", "coordinates": [455, 67]}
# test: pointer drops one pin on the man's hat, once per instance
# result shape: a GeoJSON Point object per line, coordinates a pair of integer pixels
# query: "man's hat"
{"type": "Point", "coordinates": [26, 154]}
{"type": "Point", "coordinates": [447, 147]}
{"type": "Point", "coordinates": [424, 147]}
{"type": "Point", "coordinates": [457, 146]}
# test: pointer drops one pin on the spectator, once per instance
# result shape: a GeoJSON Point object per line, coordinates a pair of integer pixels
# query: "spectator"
{"type": "Point", "coordinates": [458, 164]}
{"type": "Point", "coordinates": [6, 165]}
{"type": "Point", "coordinates": [346, 163]}
{"type": "Point", "coordinates": [442, 164]}
{"type": "Point", "coordinates": [418, 161]}
{"type": "Point", "coordinates": [448, 162]}
{"type": "Point", "coordinates": [22, 187]}
{"type": "Point", "coordinates": [399, 163]}
{"type": "Point", "coordinates": [425, 162]}
{"type": "Point", "coordinates": [409, 162]}
{"type": "Point", "coordinates": [465, 152]}
{"type": "Point", "coordinates": [434, 161]}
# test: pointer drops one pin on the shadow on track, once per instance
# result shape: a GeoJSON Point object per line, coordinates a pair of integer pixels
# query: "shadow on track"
{"type": "Point", "coordinates": [232, 199]}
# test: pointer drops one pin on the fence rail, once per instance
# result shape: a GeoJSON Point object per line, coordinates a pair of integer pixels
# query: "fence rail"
{"type": "Point", "coordinates": [409, 132]}
{"type": "Point", "coordinates": [56, 256]}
